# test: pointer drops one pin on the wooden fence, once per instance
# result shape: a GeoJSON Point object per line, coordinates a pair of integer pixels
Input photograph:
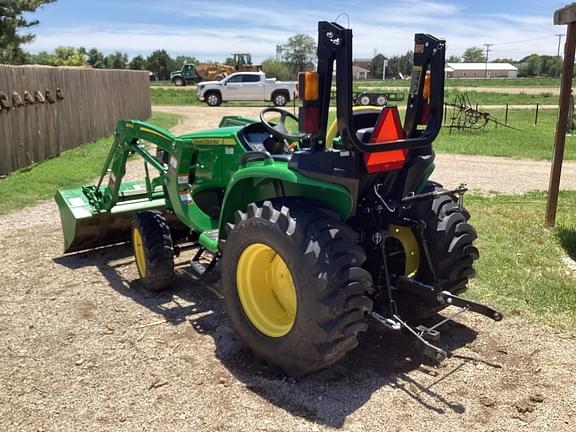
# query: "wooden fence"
{"type": "Point", "coordinates": [46, 110]}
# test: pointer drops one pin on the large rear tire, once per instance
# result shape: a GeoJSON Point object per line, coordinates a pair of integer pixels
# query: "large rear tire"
{"type": "Point", "coordinates": [153, 250]}
{"type": "Point", "coordinates": [293, 284]}
{"type": "Point", "coordinates": [450, 238]}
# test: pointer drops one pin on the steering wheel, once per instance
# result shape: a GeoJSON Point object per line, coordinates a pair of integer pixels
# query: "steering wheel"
{"type": "Point", "coordinates": [279, 129]}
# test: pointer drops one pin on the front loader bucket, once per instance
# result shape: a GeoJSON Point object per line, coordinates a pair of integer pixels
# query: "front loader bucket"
{"type": "Point", "coordinates": [85, 227]}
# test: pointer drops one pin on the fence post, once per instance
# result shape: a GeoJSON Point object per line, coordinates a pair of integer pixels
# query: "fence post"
{"type": "Point", "coordinates": [536, 117]}
{"type": "Point", "coordinates": [506, 116]}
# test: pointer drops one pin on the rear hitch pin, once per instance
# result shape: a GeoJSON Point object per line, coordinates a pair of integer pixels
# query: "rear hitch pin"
{"type": "Point", "coordinates": [462, 190]}
{"type": "Point", "coordinates": [429, 350]}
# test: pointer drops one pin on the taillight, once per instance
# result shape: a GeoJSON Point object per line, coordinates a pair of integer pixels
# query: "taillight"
{"type": "Point", "coordinates": [308, 86]}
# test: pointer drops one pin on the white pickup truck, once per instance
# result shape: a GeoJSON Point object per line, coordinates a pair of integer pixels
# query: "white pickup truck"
{"type": "Point", "coordinates": [247, 86]}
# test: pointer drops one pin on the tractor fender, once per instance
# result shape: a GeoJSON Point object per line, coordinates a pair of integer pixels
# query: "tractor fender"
{"type": "Point", "coordinates": [259, 181]}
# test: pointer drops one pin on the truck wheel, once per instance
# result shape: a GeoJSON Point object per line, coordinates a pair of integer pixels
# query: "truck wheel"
{"type": "Point", "coordinates": [381, 100]}
{"type": "Point", "coordinates": [450, 242]}
{"type": "Point", "coordinates": [280, 98]}
{"type": "Point", "coordinates": [179, 82]}
{"type": "Point", "coordinates": [213, 99]}
{"type": "Point", "coordinates": [153, 250]}
{"type": "Point", "coordinates": [293, 284]}
{"type": "Point", "coordinates": [364, 100]}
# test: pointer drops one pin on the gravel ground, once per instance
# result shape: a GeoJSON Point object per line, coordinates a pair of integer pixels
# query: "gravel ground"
{"type": "Point", "coordinates": [85, 347]}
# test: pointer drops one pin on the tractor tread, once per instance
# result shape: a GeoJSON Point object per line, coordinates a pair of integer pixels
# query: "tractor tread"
{"type": "Point", "coordinates": [158, 249]}
{"type": "Point", "coordinates": [333, 307]}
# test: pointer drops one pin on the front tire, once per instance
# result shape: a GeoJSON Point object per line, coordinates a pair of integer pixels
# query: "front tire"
{"type": "Point", "coordinates": [179, 82]}
{"type": "Point", "coordinates": [153, 250]}
{"type": "Point", "coordinates": [213, 99]}
{"type": "Point", "coordinates": [280, 99]}
{"type": "Point", "coordinates": [303, 310]}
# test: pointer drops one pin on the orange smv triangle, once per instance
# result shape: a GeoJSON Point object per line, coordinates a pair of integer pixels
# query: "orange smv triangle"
{"type": "Point", "coordinates": [388, 128]}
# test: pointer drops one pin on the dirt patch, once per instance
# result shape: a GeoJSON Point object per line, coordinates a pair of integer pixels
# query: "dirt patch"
{"type": "Point", "coordinates": [85, 347]}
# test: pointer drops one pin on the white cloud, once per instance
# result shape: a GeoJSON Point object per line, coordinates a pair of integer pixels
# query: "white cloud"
{"type": "Point", "coordinates": [218, 29]}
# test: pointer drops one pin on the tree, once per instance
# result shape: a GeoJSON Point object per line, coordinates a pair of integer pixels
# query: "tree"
{"type": "Point", "coordinates": [11, 20]}
{"type": "Point", "coordinates": [454, 59]}
{"type": "Point", "coordinates": [116, 60]}
{"type": "Point", "coordinates": [137, 63]}
{"type": "Point", "coordinates": [276, 69]}
{"type": "Point", "coordinates": [67, 56]}
{"type": "Point", "coordinates": [474, 55]}
{"type": "Point", "coordinates": [41, 58]}
{"type": "Point", "coordinates": [377, 64]}
{"type": "Point", "coordinates": [182, 59]}
{"type": "Point", "coordinates": [300, 53]}
{"type": "Point", "coordinates": [504, 60]}
{"type": "Point", "coordinates": [160, 64]}
{"type": "Point", "coordinates": [400, 65]}
{"type": "Point", "coordinates": [95, 59]}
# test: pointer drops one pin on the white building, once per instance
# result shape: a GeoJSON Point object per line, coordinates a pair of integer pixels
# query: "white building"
{"type": "Point", "coordinates": [481, 70]}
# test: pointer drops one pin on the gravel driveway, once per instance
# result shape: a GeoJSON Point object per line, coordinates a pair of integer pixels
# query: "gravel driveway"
{"type": "Point", "coordinates": [85, 347]}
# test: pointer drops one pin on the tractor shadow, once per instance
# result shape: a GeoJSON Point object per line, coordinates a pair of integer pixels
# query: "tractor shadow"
{"type": "Point", "coordinates": [382, 362]}
{"type": "Point", "coordinates": [567, 237]}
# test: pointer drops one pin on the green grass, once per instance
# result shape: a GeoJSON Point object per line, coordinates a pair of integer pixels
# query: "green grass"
{"type": "Point", "coordinates": [529, 142]}
{"type": "Point", "coordinates": [522, 268]}
{"type": "Point", "coordinates": [72, 168]}
{"type": "Point", "coordinates": [489, 98]}
{"type": "Point", "coordinates": [455, 82]}
{"type": "Point", "coordinates": [161, 83]}
{"type": "Point", "coordinates": [161, 96]}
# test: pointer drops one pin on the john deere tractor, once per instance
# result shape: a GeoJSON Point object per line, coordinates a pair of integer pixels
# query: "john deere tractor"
{"type": "Point", "coordinates": [316, 230]}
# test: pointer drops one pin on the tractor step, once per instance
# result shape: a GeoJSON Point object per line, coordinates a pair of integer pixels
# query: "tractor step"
{"type": "Point", "coordinates": [209, 240]}
{"type": "Point", "coordinates": [198, 268]}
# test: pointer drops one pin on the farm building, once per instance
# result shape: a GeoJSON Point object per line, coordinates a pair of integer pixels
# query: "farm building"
{"type": "Point", "coordinates": [360, 73]}
{"type": "Point", "coordinates": [481, 70]}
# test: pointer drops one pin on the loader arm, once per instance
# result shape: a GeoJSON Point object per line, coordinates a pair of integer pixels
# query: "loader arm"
{"type": "Point", "coordinates": [127, 140]}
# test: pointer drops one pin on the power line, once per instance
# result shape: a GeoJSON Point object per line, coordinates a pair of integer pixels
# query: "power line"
{"type": "Point", "coordinates": [522, 41]}
{"type": "Point", "coordinates": [487, 45]}
{"type": "Point", "coordinates": [559, 36]}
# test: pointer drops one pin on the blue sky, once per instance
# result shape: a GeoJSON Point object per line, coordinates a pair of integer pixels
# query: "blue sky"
{"type": "Point", "coordinates": [214, 29]}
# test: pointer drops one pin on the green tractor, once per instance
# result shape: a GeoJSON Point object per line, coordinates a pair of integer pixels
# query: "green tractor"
{"type": "Point", "coordinates": [316, 231]}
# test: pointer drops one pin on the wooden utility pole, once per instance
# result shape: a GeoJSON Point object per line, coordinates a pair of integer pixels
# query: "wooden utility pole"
{"type": "Point", "coordinates": [564, 16]}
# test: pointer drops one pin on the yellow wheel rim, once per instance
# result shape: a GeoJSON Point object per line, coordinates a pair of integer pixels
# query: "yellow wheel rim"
{"type": "Point", "coordinates": [266, 290]}
{"type": "Point", "coordinates": [139, 251]}
{"type": "Point", "coordinates": [411, 249]}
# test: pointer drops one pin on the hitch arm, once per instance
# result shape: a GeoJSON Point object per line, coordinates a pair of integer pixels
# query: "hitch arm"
{"type": "Point", "coordinates": [446, 297]}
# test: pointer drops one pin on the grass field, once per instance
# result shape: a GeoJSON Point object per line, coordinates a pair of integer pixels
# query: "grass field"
{"type": "Point", "coordinates": [162, 96]}
{"type": "Point", "coordinates": [523, 268]}
{"type": "Point", "coordinates": [453, 82]}
{"type": "Point", "coordinates": [72, 168]}
{"type": "Point", "coordinates": [529, 142]}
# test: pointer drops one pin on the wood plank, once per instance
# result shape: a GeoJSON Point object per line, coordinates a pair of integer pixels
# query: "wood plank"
{"type": "Point", "coordinates": [561, 125]}
{"type": "Point", "coordinates": [94, 100]}
{"type": "Point", "coordinates": [566, 15]}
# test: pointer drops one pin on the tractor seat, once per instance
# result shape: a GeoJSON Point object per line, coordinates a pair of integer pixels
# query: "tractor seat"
{"type": "Point", "coordinates": [254, 137]}
{"type": "Point", "coordinates": [364, 135]}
